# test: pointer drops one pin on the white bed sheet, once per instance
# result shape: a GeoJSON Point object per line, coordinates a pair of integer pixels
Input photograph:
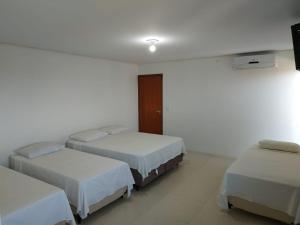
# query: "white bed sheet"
{"type": "Point", "coordinates": [267, 177]}
{"type": "Point", "coordinates": [85, 178]}
{"type": "Point", "coordinates": [25, 200]}
{"type": "Point", "coordinates": [143, 152]}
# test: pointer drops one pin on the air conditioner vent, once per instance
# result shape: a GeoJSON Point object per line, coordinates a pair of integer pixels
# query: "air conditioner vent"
{"type": "Point", "coordinates": [254, 60]}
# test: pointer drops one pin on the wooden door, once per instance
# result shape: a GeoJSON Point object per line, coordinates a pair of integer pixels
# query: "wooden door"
{"type": "Point", "coordinates": [150, 103]}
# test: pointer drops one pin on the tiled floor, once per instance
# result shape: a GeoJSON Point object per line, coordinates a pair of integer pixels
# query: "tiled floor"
{"type": "Point", "coordinates": [185, 196]}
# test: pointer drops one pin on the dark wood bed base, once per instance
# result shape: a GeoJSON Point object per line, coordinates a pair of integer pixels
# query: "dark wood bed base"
{"type": "Point", "coordinates": [162, 169]}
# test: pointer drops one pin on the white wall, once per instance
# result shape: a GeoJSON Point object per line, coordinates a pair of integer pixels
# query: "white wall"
{"type": "Point", "coordinates": [47, 95]}
{"type": "Point", "coordinates": [219, 110]}
{"type": "Point", "coordinates": [216, 109]}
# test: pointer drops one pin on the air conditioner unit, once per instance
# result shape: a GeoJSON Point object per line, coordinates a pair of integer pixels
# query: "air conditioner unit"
{"type": "Point", "coordinates": [254, 60]}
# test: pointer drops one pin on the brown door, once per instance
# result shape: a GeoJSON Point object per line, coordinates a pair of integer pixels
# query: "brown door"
{"type": "Point", "coordinates": [151, 103]}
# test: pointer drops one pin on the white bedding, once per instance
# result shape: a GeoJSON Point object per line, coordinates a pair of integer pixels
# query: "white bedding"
{"type": "Point", "coordinates": [86, 178]}
{"type": "Point", "coordinates": [270, 178]}
{"type": "Point", "coordinates": [143, 152]}
{"type": "Point", "coordinates": [25, 200]}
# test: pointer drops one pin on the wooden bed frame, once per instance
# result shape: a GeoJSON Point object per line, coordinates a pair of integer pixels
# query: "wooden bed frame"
{"type": "Point", "coordinates": [162, 169]}
{"type": "Point", "coordinates": [259, 209]}
{"type": "Point", "coordinates": [120, 193]}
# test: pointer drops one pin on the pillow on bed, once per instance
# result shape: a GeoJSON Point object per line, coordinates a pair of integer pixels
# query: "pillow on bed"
{"type": "Point", "coordinates": [115, 129]}
{"type": "Point", "coordinates": [279, 145]}
{"type": "Point", "coordinates": [88, 135]}
{"type": "Point", "coordinates": [39, 149]}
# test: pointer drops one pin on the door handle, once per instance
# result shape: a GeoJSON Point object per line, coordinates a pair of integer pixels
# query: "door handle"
{"type": "Point", "coordinates": [158, 111]}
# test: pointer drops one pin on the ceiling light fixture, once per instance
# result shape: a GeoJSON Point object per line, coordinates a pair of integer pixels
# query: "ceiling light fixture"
{"type": "Point", "coordinates": [152, 46]}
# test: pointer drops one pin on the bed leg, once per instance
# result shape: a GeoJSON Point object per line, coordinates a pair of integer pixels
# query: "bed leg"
{"type": "Point", "coordinates": [136, 187]}
{"type": "Point", "coordinates": [78, 219]}
{"type": "Point", "coordinates": [230, 206]}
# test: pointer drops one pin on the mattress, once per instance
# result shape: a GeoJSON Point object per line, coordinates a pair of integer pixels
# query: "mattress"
{"type": "Point", "coordinates": [85, 178]}
{"type": "Point", "coordinates": [270, 178]}
{"type": "Point", "coordinates": [25, 200]}
{"type": "Point", "coordinates": [143, 152]}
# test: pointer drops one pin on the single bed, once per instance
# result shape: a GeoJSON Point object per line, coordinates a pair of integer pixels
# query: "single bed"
{"type": "Point", "coordinates": [25, 200]}
{"type": "Point", "coordinates": [148, 155]}
{"type": "Point", "coordinates": [264, 182]}
{"type": "Point", "coordinates": [90, 182]}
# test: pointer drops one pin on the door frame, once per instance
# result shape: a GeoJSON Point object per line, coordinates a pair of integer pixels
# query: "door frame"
{"type": "Point", "coordinates": [162, 98]}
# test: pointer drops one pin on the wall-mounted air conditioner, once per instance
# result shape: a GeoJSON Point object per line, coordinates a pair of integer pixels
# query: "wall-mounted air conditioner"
{"type": "Point", "coordinates": [254, 60]}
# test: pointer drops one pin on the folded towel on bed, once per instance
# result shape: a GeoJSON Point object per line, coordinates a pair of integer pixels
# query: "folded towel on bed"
{"type": "Point", "coordinates": [279, 145]}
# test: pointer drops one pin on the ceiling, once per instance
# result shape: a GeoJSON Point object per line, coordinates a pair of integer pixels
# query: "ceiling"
{"type": "Point", "coordinates": [117, 29]}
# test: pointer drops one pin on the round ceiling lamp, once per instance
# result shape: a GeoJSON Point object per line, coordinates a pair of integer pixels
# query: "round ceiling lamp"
{"type": "Point", "coordinates": [152, 44]}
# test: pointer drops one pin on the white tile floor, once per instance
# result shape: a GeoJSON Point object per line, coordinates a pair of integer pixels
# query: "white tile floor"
{"type": "Point", "coordinates": [184, 196]}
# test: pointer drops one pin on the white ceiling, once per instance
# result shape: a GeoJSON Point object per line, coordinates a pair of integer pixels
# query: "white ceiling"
{"type": "Point", "coordinates": [116, 29]}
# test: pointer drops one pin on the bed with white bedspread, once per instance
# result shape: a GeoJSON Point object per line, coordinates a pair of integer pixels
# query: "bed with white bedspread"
{"type": "Point", "coordinates": [86, 178]}
{"type": "Point", "coordinates": [267, 178]}
{"type": "Point", "coordinates": [25, 200]}
{"type": "Point", "coordinates": [142, 151]}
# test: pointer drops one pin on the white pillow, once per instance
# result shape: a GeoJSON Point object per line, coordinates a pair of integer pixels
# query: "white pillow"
{"type": "Point", "coordinates": [88, 135]}
{"type": "Point", "coordinates": [279, 145]}
{"type": "Point", "coordinates": [39, 149]}
{"type": "Point", "coordinates": [114, 129]}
